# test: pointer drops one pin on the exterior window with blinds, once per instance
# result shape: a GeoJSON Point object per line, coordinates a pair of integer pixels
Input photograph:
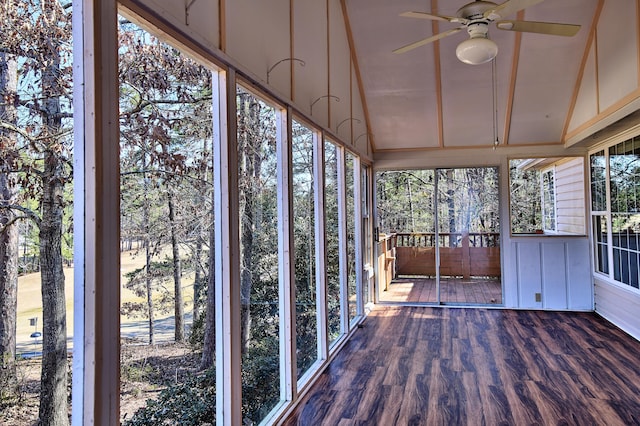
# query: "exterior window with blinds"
{"type": "Point", "coordinates": [615, 203]}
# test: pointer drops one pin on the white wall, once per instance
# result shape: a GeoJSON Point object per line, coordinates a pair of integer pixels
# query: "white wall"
{"type": "Point", "coordinates": [557, 268]}
{"type": "Point", "coordinates": [570, 199]}
{"type": "Point", "coordinates": [619, 305]}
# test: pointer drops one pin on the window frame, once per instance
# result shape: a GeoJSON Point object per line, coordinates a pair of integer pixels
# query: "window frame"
{"type": "Point", "coordinates": [610, 274]}
{"type": "Point", "coordinates": [96, 342]}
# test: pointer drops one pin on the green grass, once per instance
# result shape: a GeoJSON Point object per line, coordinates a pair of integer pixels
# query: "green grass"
{"type": "Point", "coordinates": [30, 298]}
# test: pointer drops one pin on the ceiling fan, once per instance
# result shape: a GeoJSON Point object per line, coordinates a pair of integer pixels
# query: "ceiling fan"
{"type": "Point", "coordinates": [476, 17]}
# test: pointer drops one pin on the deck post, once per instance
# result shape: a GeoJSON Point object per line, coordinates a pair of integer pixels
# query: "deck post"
{"type": "Point", "coordinates": [466, 266]}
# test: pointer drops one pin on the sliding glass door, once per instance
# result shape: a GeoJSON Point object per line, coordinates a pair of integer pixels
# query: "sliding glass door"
{"type": "Point", "coordinates": [442, 236]}
{"type": "Point", "coordinates": [468, 228]}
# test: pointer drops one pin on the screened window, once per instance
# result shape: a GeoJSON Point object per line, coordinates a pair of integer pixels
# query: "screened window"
{"type": "Point", "coordinates": [350, 161]}
{"type": "Point", "coordinates": [367, 240]}
{"type": "Point", "coordinates": [259, 284]}
{"type": "Point", "coordinates": [548, 200]}
{"type": "Point", "coordinates": [304, 247]}
{"type": "Point", "coordinates": [547, 196]}
{"type": "Point", "coordinates": [332, 240]}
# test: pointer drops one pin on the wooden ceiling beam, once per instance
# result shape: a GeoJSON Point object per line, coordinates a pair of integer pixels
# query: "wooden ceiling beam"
{"type": "Point", "coordinates": [515, 60]}
{"type": "Point", "coordinates": [438, 76]}
{"type": "Point", "coordinates": [591, 39]}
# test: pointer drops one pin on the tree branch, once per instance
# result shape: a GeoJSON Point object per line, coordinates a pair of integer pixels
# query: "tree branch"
{"type": "Point", "coordinates": [4, 227]}
{"type": "Point", "coordinates": [30, 138]}
{"type": "Point", "coordinates": [167, 172]}
{"type": "Point", "coordinates": [29, 214]}
{"type": "Point", "coordinates": [149, 102]}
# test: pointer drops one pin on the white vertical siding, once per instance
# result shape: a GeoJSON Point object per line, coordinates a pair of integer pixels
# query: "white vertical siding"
{"type": "Point", "coordinates": [556, 267]}
{"type": "Point", "coordinates": [619, 305]}
{"type": "Point", "coordinates": [570, 198]}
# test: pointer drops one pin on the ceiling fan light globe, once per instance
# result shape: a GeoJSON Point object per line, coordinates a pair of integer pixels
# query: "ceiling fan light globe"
{"type": "Point", "coordinates": [476, 51]}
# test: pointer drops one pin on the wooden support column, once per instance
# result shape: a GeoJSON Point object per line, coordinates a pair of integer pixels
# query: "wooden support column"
{"type": "Point", "coordinates": [357, 208]}
{"type": "Point", "coordinates": [286, 270]}
{"type": "Point", "coordinates": [227, 247]}
{"type": "Point", "coordinates": [320, 246]}
{"type": "Point", "coordinates": [342, 241]}
{"type": "Point", "coordinates": [466, 258]}
{"type": "Point", "coordinates": [96, 353]}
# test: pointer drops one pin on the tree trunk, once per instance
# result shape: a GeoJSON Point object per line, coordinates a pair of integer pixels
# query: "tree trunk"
{"type": "Point", "coordinates": [197, 279]}
{"type": "Point", "coordinates": [147, 280]}
{"type": "Point", "coordinates": [198, 284]}
{"type": "Point", "coordinates": [250, 166]}
{"type": "Point", "coordinates": [178, 300]}
{"type": "Point", "coordinates": [410, 195]}
{"type": "Point", "coordinates": [451, 207]}
{"type": "Point", "coordinates": [209, 344]}
{"type": "Point", "coordinates": [9, 248]}
{"type": "Point", "coordinates": [53, 381]}
{"type": "Point", "coordinates": [147, 246]}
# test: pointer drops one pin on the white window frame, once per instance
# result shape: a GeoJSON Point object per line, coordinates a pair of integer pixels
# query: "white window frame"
{"type": "Point", "coordinates": [608, 214]}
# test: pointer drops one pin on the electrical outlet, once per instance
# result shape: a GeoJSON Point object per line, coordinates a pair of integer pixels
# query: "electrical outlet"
{"type": "Point", "coordinates": [538, 297]}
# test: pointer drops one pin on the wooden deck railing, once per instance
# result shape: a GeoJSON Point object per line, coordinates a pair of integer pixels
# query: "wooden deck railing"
{"type": "Point", "coordinates": [386, 260]}
{"type": "Point", "coordinates": [448, 239]}
{"type": "Point", "coordinates": [461, 254]}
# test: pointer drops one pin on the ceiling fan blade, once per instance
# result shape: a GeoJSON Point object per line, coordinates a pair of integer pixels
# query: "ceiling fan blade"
{"type": "Point", "coordinates": [426, 40]}
{"type": "Point", "coordinates": [509, 7]}
{"type": "Point", "coordinates": [550, 28]}
{"type": "Point", "coordinates": [425, 15]}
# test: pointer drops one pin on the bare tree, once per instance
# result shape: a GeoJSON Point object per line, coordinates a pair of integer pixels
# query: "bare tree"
{"type": "Point", "coordinates": [39, 33]}
{"type": "Point", "coordinates": [8, 226]}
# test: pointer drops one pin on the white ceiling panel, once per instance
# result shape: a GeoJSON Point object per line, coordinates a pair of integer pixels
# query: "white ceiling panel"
{"type": "Point", "coordinates": [401, 90]}
{"type": "Point", "coordinates": [617, 42]}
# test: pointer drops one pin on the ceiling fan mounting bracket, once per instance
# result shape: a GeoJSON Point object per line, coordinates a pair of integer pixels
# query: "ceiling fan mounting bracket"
{"type": "Point", "coordinates": [475, 10]}
{"type": "Point", "coordinates": [478, 29]}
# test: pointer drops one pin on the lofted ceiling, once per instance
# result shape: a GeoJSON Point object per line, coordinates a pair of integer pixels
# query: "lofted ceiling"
{"type": "Point", "coordinates": [427, 99]}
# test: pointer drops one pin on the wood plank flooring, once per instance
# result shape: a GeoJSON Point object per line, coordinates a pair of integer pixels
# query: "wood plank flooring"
{"type": "Point", "coordinates": [452, 290]}
{"type": "Point", "coordinates": [455, 366]}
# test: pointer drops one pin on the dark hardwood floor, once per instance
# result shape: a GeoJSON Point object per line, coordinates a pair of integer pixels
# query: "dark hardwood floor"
{"type": "Point", "coordinates": [455, 366]}
{"type": "Point", "coordinates": [484, 291]}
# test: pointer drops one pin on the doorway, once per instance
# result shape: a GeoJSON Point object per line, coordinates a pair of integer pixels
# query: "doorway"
{"type": "Point", "coordinates": [439, 236]}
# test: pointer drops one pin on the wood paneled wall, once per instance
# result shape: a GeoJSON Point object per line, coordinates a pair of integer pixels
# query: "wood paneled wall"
{"type": "Point", "coordinates": [556, 268]}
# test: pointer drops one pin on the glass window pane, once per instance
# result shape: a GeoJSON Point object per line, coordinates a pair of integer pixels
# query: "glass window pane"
{"type": "Point", "coordinates": [259, 286]}
{"type": "Point", "coordinates": [549, 200]}
{"type": "Point", "coordinates": [525, 199]}
{"type": "Point", "coordinates": [166, 228]}
{"type": "Point", "coordinates": [598, 182]}
{"type": "Point", "coordinates": [624, 165]}
{"type": "Point", "coordinates": [36, 211]}
{"type": "Point", "coordinates": [405, 201]}
{"type": "Point", "coordinates": [351, 234]}
{"type": "Point", "coordinates": [367, 237]}
{"type": "Point", "coordinates": [600, 242]}
{"type": "Point", "coordinates": [625, 228]}
{"type": "Point", "coordinates": [305, 247]}
{"type": "Point", "coordinates": [332, 243]}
